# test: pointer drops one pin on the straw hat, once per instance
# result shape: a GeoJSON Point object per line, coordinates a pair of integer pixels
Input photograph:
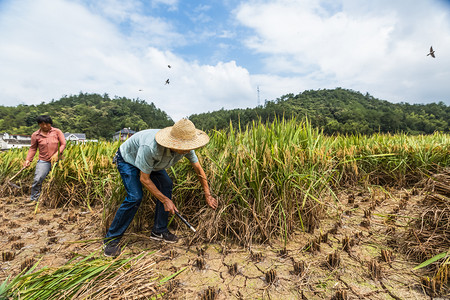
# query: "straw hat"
{"type": "Point", "coordinates": [182, 136]}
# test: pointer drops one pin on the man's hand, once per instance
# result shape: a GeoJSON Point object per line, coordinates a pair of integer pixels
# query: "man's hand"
{"type": "Point", "coordinates": [26, 164]}
{"type": "Point", "coordinates": [54, 158]}
{"type": "Point", "coordinates": [211, 201]}
{"type": "Point", "coordinates": [169, 206]}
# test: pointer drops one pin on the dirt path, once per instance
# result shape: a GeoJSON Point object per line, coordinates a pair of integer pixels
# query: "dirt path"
{"type": "Point", "coordinates": [341, 259]}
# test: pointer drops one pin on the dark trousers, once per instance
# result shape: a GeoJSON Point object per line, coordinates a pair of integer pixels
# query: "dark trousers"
{"type": "Point", "coordinates": [125, 214]}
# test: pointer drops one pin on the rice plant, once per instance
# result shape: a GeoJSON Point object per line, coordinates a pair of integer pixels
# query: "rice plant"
{"type": "Point", "coordinates": [88, 278]}
{"type": "Point", "coordinates": [270, 179]}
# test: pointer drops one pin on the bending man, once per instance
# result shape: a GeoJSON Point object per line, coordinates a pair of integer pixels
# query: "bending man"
{"type": "Point", "coordinates": [141, 161]}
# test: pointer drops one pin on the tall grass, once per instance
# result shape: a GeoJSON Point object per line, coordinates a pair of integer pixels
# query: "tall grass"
{"type": "Point", "coordinates": [269, 178]}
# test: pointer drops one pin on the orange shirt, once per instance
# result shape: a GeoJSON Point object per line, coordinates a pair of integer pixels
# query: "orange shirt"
{"type": "Point", "coordinates": [47, 144]}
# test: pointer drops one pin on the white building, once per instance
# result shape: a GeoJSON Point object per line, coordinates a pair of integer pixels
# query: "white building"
{"type": "Point", "coordinates": [77, 138]}
{"type": "Point", "coordinates": [8, 141]}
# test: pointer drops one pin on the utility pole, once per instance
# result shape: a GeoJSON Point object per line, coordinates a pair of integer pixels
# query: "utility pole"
{"type": "Point", "coordinates": [259, 101]}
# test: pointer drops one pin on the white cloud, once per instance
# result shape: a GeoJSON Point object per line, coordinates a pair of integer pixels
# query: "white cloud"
{"type": "Point", "coordinates": [117, 10]}
{"type": "Point", "coordinates": [51, 48]}
{"type": "Point", "coordinates": [227, 34]}
{"type": "Point", "coordinates": [378, 47]}
{"type": "Point", "coordinates": [196, 88]}
{"type": "Point", "coordinates": [172, 4]}
{"type": "Point", "coordinates": [48, 48]}
{"type": "Point", "coordinates": [138, 29]}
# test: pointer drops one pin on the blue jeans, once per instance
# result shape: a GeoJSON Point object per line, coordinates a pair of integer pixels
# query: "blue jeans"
{"type": "Point", "coordinates": [42, 170]}
{"type": "Point", "coordinates": [125, 214]}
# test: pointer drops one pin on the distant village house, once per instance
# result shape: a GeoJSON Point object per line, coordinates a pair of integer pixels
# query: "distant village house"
{"type": "Point", "coordinates": [77, 138]}
{"type": "Point", "coordinates": [9, 141]}
{"type": "Point", "coordinates": [123, 134]}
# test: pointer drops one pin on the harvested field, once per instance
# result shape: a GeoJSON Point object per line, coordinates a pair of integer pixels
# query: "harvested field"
{"type": "Point", "coordinates": [301, 215]}
{"type": "Point", "coordinates": [355, 253]}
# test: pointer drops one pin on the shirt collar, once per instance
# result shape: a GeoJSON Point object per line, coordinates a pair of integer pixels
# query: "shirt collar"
{"type": "Point", "coordinates": [39, 131]}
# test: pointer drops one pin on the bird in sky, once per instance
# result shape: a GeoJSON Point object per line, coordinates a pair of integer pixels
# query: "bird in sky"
{"type": "Point", "coordinates": [167, 82]}
{"type": "Point", "coordinates": [140, 90]}
{"type": "Point", "coordinates": [431, 52]}
{"type": "Point", "coordinates": [169, 66]}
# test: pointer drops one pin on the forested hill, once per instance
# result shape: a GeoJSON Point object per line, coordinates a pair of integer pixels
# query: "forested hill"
{"type": "Point", "coordinates": [338, 110]}
{"type": "Point", "coordinates": [95, 115]}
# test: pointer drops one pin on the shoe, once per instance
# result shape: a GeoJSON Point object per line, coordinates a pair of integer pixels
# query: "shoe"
{"type": "Point", "coordinates": [112, 248]}
{"type": "Point", "coordinates": [167, 236]}
{"type": "Point", "coordinates": [30, 202]}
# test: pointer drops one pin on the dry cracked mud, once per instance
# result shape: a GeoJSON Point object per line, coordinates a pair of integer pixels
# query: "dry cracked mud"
{"type": "Point", "coordinates": [350, 256]}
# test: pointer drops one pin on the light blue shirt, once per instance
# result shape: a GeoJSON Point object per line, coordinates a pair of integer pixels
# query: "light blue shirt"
{"type": "Point", "coordinates": [142, 151]}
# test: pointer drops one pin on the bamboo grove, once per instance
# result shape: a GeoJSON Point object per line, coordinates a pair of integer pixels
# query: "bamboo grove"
{"type": "Point", "coordinates": [270, 179]}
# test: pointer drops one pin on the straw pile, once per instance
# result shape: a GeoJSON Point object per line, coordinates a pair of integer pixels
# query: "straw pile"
{"type": "Point", "coordinates": [89, 278]}
{"type": "Point", "coordinates": [429, 234]}
{"type": "Point", "coordinates": [427, 239]}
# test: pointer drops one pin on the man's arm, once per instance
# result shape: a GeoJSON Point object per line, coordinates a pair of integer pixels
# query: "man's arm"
{"type": "Point", "coordinates": [149, 185]}
{"type": "Point", "coordinates": [62, 142]}
{"type": "Point", "coordinates": [210, 200]}
{"type": "Point", "coordinates": [62, 146]}
{"type": "Point", "coordinates": [31, 151]}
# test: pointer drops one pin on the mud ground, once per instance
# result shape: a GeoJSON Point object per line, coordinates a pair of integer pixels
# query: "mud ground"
{"type": "Point", "coordinates": [341, 259]}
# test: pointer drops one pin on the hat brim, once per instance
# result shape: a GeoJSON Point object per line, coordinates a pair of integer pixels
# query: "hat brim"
{"type": "Point", "coordinates": [165, 139]}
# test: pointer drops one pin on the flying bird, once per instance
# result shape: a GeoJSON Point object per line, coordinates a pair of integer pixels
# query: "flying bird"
{"type": "Point", "coordinates": [169, 66]}
{"type": "Point", "coordinates": [431, 52]}
{"type": "Point", "coordinates": [167, 82]}
{"type": "Point", "coordinates": [140, 90]}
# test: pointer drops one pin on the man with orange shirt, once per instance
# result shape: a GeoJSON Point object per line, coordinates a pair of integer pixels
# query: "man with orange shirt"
{"type": "Point", "coordinates": [51, 143]}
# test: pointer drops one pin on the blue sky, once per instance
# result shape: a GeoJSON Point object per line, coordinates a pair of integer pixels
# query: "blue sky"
{"type": "Point", "coordinates": [220, 52]}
